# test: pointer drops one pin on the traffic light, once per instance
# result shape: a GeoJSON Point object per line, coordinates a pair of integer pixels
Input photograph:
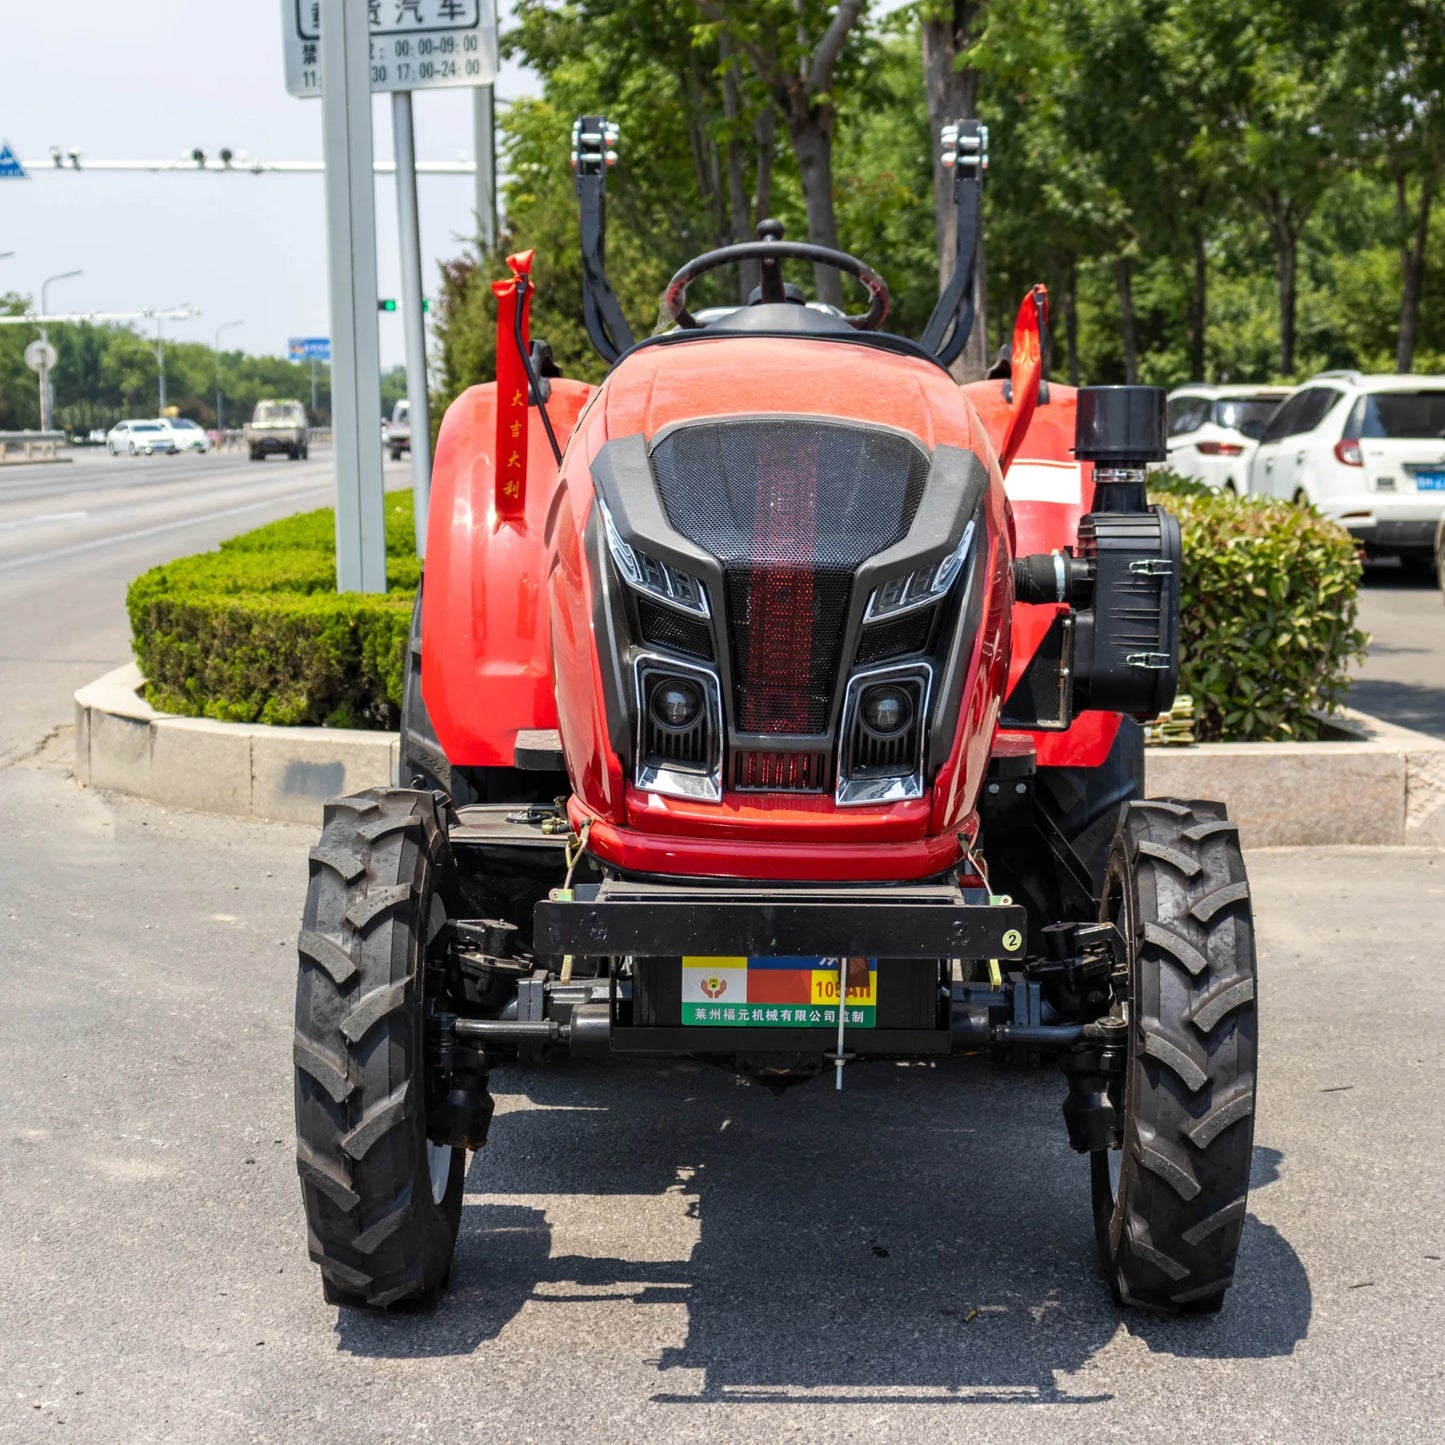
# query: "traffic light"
{"type": "Point", "coordinates": [388, 303]}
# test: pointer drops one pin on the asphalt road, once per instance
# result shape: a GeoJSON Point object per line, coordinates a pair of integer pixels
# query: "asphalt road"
{"type": "Point", "coordinates": [73, 535]}
{"type": "Point", "coordinates": [1403, 679]}
{"type": "Point", "coordinates": [648, 1253]}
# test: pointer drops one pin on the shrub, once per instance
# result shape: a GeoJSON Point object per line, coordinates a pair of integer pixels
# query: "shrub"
{"type": "Point", "coordinates": [1268, 629]}
{"type": "Point", "coordinates": [255, 631]}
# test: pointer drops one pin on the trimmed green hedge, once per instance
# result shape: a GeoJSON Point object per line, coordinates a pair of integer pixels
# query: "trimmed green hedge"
{"type": "Point", "coordinates": [1268, 613]}
{"type": "Point", "coordinates": [255, 632]}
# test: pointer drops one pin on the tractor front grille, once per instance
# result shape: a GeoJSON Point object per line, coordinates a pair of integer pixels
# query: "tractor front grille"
{"type": "Point", "coordinates": [759, 772]}
{"type": "Point", "coordinates": [667, 627]}
{"type": "Point", "coordinates": [791, 507]}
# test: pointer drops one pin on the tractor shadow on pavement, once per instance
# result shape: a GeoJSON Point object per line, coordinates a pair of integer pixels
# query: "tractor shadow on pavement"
{"type": "Point", "coordinates": [923, 1236]}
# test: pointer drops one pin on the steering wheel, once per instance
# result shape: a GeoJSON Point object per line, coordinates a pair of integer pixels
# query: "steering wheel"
{"type": "Point", "coordinates": [770, 252]}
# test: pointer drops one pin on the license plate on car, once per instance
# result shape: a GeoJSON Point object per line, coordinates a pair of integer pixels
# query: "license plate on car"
{"type": "Point", "coordinates": [778, 992]}
{"type": "Point", "coordinates": [1430, 481]}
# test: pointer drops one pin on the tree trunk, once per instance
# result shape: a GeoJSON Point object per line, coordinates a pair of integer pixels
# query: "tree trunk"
{"type": "Point", "coordinates": [738, 216]}
{"type": "Point", "coordinates": [811, 131]}
{"type": "Point", "coordinates": [1124, 280]}
{"type": "Point", "coordinates": [1069, 306]}
{"type": "Point", "coordinates": [952, 94]}
{"type": "Point", "coordinates": [767, 137]}
{"type": "Point", "coordinates": [1412, 265]}
{"type": "Point", "coordinates": [1195, 320]}
{"type": "Point", "coordinates": [1287, 267]}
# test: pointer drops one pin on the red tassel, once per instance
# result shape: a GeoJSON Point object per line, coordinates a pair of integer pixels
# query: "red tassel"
{"type": "Point", "coordinates": [1027, 370]}
{"type": "Point", "coordinates": [512, 426]}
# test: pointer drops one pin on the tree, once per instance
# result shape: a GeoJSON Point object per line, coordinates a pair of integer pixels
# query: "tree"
{"type": "Point", "coordinates": [949, 30]}
{"type": "Point", "coordinates": [794, 47]}
{"type": "Point", "coordinates": [1399, 87]}
{"type": "Point", "coordinates": [1289, 124]}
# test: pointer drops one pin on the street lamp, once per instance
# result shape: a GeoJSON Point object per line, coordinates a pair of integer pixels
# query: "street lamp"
{"type": "Point", "coordinates": [225, 326]}
{"type": "Point", "coordinates": [45, 397]}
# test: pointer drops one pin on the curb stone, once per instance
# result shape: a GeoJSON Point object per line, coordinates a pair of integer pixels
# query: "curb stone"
{"type": "Point", "coordinates": [1384, 785]}
{"type": "Point", "coordinates": [246, 770]}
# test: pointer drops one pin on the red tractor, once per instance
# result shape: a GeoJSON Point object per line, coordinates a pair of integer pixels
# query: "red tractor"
{"type": "Point", "coordinates": [773, 704]}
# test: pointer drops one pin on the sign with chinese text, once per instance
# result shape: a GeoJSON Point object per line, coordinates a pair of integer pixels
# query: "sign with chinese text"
{"type": "Point", "coordinates": [778, 992]}
{"type": "Point", "coordinates": [415, 44]}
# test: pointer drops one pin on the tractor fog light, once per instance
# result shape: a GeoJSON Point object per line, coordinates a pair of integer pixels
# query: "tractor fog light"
{"type": "Point", "coordinates": [886, 710]}
{"type": "Point", "coordinates": [676, 704]}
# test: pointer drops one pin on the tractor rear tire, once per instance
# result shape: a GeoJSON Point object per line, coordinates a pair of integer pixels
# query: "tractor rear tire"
{"type": "Point", "coordinates": [383, 1204]}
{"type": "Point", "coordinates": [1169, 1206]}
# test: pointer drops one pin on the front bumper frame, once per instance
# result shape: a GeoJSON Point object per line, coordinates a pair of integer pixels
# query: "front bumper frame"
{"type": "Point", "coordinates": [653, 920]}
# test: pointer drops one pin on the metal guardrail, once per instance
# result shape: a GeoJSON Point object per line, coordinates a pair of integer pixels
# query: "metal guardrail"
{"type": "Point", "coordinates": [31, 446]}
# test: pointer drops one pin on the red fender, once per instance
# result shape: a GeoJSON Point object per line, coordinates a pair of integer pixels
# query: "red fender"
{"type": "Point", "coordinates": [486, 649]}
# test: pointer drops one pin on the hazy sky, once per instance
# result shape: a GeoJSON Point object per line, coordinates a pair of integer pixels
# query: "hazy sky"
{"type": "Point", "coordinates": [138, 79]}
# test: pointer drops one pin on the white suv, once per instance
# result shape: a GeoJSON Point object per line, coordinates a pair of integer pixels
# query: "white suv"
{"type": "Point", "coordinates": [1369, 452]}
{"type": "Point", "coordinates": [1213, 431]}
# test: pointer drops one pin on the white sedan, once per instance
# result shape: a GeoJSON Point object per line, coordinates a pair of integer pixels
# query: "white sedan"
{"type": "Point", "coordinates": [1213, 431]}
{"type": "Point", "coordinates": [139, 438]}
{"type": "Point", "coordinates": [187, 436]}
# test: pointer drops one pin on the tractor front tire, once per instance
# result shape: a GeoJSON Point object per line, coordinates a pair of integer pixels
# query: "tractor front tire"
{"type": "Point", "coordinates": [1169, 1206]}
{"type": "Point", "coordinates": [383, 1203]}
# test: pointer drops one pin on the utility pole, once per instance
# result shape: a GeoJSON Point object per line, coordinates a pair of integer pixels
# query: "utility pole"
{"type": "Point", "coordinates": [351, 255]}
{"type": "Point", "coordinates": [484, 135]}
{"type": "Point", "coordinates": [46, 399]}
{"type": "Point", "coordinates": [161, 366]}
{"type": "Point", "coordinates": [220, 415]}
{"type": "Point", "coordinates": [413, 319]}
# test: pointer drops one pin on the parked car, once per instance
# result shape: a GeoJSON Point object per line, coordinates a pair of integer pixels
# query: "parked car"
{"type": "Point", "coordinates": [278, 426]}
{"type": "Point", "coordinates": [1368, 452]}
{"type": "Point", "coordinates": [187, 435]}
{"type": "Point", "coordinates": [398, 430]}
{"type": "Point", "coordinates": [139, 438]}
{"type": "Point", "coordinates": [1213, 431]}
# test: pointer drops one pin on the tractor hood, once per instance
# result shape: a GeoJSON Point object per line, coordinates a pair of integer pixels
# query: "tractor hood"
{"type": "Point", "coordinates": [689, 377]}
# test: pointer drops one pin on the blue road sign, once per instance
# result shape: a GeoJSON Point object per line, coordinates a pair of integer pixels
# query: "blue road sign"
{"type": "Point", "coordinates": [10, 167]}
{"type": "Point", "coordinates": [309, 348]}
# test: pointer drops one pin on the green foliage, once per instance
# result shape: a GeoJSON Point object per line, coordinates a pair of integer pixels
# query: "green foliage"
{"type": "Point", "coordinates": [255, 631]}
{"type": "Point", "coordinates": [1268, 626]}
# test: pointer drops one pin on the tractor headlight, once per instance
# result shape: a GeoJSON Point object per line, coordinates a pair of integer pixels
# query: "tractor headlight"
{"type": "Point", "coordinates": [920, 587]}
{"type": "Point", "coordinates": [647, 574]}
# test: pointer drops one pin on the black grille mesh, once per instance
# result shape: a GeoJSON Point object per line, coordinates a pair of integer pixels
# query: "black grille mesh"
{"type": "Point", "coordinates": [882, 640]}
{"type": "Point", "coordinates": [790, 508]}
{"type": "Point", "coordinates": [667, 627]}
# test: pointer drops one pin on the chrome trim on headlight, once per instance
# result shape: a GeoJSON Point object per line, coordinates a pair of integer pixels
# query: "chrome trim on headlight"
{"type": "Point", "coordinates": [652, 578]}
{"type": "Point", "coordinates": [921, 587]}
{"type": "Point", "coordinates": [702, 783]}
{"type": "Point", "coordinates": [851, 791]}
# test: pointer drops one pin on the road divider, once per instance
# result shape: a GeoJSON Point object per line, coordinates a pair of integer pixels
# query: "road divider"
{"type": "Point", "coordinates": [1377, 784]}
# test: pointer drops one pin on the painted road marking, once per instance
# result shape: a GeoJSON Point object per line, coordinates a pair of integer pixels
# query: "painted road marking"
{"type": "Point", "coordinates": [115, 539]}
{"type": "Point", "coordinates": [40, 521]}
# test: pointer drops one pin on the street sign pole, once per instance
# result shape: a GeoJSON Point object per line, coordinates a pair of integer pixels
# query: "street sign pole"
{"type": "Point", "coordinates": [413, 319]}
{"type": "Point", "coordinates": [355, 341]}
{"type": "Point", "coordinates": [484, 136]}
